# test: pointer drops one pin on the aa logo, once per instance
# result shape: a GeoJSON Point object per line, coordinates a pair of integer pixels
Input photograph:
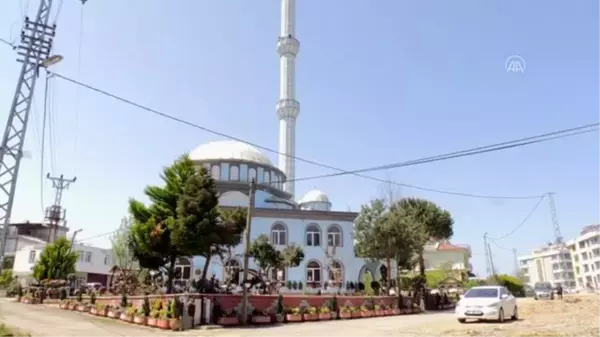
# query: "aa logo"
{"type": "Point", "coordinates": [515, 64]}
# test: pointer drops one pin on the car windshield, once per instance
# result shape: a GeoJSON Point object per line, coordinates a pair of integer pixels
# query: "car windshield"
{"type": "Point", "coordinates": [542, 286]}
{"type": "Point", "coordinates": [482, 292]}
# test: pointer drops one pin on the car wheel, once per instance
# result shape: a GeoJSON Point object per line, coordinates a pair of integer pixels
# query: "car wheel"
{"type": "Point", "coordinates": [462, 320]}
{"type": "Point", "coordinates": [515, 316]}
{"type": "Point", "coordinates": [501, 316]}
{"type": "Point", "coordinates": [535, 298]}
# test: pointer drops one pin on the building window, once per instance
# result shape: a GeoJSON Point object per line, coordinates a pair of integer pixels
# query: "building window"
{"type": "Point", "coordinates": [553, 257]}
{"type": "Point", "coordinates": [107, 260]}
{"type": "Point", "coordinates": [252, 174]}
{"type": "Point", "coordinates": [267, 179]}
{"type": "Point", "coordinates": [334, 236]}
{"type": "Point", "coordinates": [215, 172]}
{"type": "Point", "coordinates": [80, 255]}
{"type": "Point", "coordinates": [584, 256]}
{"type": "Point", "coordinates": [234, 173]}
{"type": "Point", "coordinates": [32, 256]}
{"type": "Point", "coordinates": [313, 273]}
{"type": "Point", "coordinates": [313, 235]}
{"type": "Point", "coordinates": [232, 271]}
{"type": "Point", "coordinates": [88, 257]}
{"type": "Point", "coordinates": [278, 235]}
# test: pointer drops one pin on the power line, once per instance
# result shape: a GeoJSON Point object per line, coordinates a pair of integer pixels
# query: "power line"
{"type": "Point", "coordinates": [342, 172]}
{"type": "Point", "coordinates": [522, 222]}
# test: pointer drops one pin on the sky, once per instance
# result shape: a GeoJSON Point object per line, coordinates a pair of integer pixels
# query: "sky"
{"type": "Point", "coordinates": [379, 82]}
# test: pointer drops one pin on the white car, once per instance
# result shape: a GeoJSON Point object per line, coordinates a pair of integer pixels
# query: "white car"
{"type": "Point", "coordinates": [487, 303]}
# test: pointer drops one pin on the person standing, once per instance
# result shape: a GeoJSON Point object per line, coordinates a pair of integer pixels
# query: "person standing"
{"type": "Point", "coordinates": [559, 292]}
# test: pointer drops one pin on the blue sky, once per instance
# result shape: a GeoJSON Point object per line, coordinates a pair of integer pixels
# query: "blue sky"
{"type": "Point", "coordinates": [381, 83]}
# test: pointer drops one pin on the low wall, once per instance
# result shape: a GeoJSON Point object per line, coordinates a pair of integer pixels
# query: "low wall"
{"type": "Point", "coordinates": [260, 302]}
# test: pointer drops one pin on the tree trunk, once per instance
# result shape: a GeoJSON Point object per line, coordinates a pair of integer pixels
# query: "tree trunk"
{"type": "Point", "coordinates": [389, 276]}
{"type": "Point", "coordinates": [203, 278]}
{"type": "Point", "coordinates": [421, 290]}
{"type": "Point", "coordinates": [171, 273]}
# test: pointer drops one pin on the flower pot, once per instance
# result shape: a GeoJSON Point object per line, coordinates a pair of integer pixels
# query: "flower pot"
{"type": "Point", "coordinates": [379, 312]}
{"type": "Point", "coordinates": [74, 307]}
{"type": "Point", "coordinates": [388, 312]}
{"type": "Point", "coordinates": [279, 318]}
{"type": "Point", "coordinates": [83, 308]}
{"type": "Point", "coordinates": [345, 315]}
{"type": "Point", "coordinates": [125, 317]}
{"type": "Point", "coordinates": [293, 317]}
{"type": "Point", "coordinates": [175, 324]}
{"type": "Point", "coordinates": [163, 323]}
{"type": "Point", "coordinates": [260, 319]}
{"type": "Point", "coordinates": [18, 299]}
{"type": "Point", "coordinates": [356, 315]}
{"type": "Point", "coordinates": [94, 311]}
{"type": "Point", "coordinates": [103, 312]}
{"type": "Point", "coordinates": [228, 321]}
{"type": "Point", "coordinates": [151, 321]}
{"type": "Point", "coordinates": [366, 314]}
{"type": "Point", "coordinates": [324, 316]}
{"type": "Point", "coordinates": [334, 315]}
{"type": "Point", "coordinates": [397, 311]}
{"type": "Point", "coordinates": [141, 320]}
{"type": "Point", "coordinates": [114, 314]}
{"type": "Point", "coordinates": [311, 317]}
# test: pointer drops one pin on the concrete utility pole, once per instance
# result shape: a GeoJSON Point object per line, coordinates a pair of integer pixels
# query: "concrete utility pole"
{"type": "Point", "coordinates": [517, 269]}
{"type": "Point", "coordinates": [55, 213]}
{"type": "Point", "coordinates": [34, 52]}
{"type": "Point", "coordinates": [247, 252]}
{"type": "Point", "coordinates": [73, 239]}
{"type": "Point", "coordinates": [491, 261]}
{"type": "Point", "coordinates": [486, 248]}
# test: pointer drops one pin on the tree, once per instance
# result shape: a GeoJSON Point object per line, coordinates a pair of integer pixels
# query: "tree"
{"type": "Point", "coordinates": [430, 223]}
{"type": "Point", "coordinates": [183, 219]}
{"type": "Point", "coordinates": [292, 256]}
{"type": "Point", "coordinates": [56, 262]}
{"type": "Point", "coordinates": [122, 254]}
{"type": "Point", "coordinates": [265, 255]}
{"type": "Point", "coordinates": [385, 233]}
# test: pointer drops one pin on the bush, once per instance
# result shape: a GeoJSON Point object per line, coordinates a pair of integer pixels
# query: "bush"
{"type": "Point", "coordinates": [288, 284]}
{"type": "Point", "coordinates": [146, 306]}
{"type": "Point", "coordinates": [63, 294]}
{"type": "Point", "coordinates": [294, 285]}
{"type": "Point", "coordinates": [376, 287]}
{"type": "Point", "coordinates": [124, 301]}
{"type": "Point", "coordinates": [6, 278]}
{"type": "Point", "coordinates": [279, 306]}
{"type": "Point", "coordinates": [300, 285]}
{"type": "Point", "coordinates": [513, 284]}
{"type": "Point", "coordinates": [92, 298]}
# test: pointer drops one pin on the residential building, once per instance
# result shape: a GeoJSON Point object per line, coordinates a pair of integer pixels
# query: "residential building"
{"type": "Point", "coordinates": [544, 265]}
{"type": "Point", "coordinates": [444, 254]}
{"type": "Point", "coordinates": [94, 264]}
{"type": "Point", "coordinates": [26, 233]}
{"type": "Point", "coordinates": [585, 253]}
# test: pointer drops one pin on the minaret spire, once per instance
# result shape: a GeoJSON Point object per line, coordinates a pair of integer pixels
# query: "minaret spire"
{"type": "Point", "coordinates": [287, 107]}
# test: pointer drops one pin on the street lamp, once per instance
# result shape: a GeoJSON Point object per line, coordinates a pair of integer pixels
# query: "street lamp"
{"type": "Point", "coordinates": [52, 60]}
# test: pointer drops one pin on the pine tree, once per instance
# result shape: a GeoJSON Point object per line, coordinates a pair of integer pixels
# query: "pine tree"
{"type": "Point", "coordinates": [56, 262]}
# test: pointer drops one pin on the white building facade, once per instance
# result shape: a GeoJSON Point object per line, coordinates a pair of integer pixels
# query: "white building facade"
{"type": "Point", "coordinates": [585, 253]}
{"type": "Point", "coordinates": [94, 264]}
{"type": "Point", "coordinates": [544, 265]}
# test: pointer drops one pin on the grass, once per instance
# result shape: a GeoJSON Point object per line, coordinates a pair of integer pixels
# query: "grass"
{"type": "Point", "coordinates": [6, 331]}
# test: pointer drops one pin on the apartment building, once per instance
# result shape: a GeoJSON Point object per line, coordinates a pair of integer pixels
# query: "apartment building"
{"type": "Point", "coordinates": [544, 265]}
{"type": "Point", "coordinates": [585, 254]}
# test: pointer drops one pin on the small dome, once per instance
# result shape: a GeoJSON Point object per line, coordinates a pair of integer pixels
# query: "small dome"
{"type": "Point", "coordinates": [229, 150]}
{"type": "Point", "coordinates": [314, 196]}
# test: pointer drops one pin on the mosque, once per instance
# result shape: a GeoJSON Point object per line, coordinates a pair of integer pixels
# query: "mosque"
{"type": "Point", "coordinates": [326, 236]}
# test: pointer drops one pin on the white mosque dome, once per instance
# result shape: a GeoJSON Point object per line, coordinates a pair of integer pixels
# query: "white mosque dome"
{"type": "Point", "coordinates": [314, 196]}
{"type": "Point", "coordinates": [229, 150]}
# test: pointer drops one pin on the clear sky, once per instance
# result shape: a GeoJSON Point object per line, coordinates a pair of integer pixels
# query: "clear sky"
{"type": "Point", "coordinates": [379, 82]}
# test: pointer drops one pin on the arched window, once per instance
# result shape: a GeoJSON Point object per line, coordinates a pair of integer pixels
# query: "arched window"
{"type": "Point", "coordinates": [313, 235]}
{"type": "Point", "coordinates": [232, 271]}
{"type": "Point", "coordinates": [313, 273]}
{"type": "Point", "coordinates": [336, 273]}
{"type": "Point", "coordinates": [334, 236]}
{"type": "Point", "coordinates": [266, 178]}
{"type": "Point", "coordinates": [234, 173]}
{"type": "Point", "coordinates": [216, 172]}
{"type": "Point", "coordinates": [251, 174]}
{"type": "Point", "coordinates": [183, 270]}
{"type": "Point", "coordinates": [279, 235]}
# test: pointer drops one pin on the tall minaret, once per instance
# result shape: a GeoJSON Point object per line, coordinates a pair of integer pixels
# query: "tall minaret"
{"type": "Point", "coordinates": [287, 107]}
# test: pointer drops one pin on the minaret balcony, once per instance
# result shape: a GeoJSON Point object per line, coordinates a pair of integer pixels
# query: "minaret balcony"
{"type": "Point", "coordinates": [288, 108]}
{"type": "Point", "coordinates": [287, 45]}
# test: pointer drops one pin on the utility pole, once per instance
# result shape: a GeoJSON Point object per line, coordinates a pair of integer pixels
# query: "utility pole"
{"type": "Point", "coordinates": [55, 213]}
{"type": "Point", "coordinates": [34, 53]}
{"type": "Point", "coordinates": [73, 239]}
{"type": "Point", "coordinates": [486, 247]}
{"type": "Point", "coordinates": [491, 261]}
{"type": "Point", "coordinates": [558, 239]}
{"type": "Point", "coordinates": [247, 252]}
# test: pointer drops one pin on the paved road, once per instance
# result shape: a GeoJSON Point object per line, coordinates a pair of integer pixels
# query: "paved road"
{"type": "Point", "coordinates": [48, 321]}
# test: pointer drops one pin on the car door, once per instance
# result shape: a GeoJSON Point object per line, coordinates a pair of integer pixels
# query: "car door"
{"type": "Point", "coordinates": [510, 302]}
{"type": "Point", "coordinates": [504, 301]}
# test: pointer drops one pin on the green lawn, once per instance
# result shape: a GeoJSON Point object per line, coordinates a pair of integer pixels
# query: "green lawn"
{"type": "Point", "coordinates": [8, 331]}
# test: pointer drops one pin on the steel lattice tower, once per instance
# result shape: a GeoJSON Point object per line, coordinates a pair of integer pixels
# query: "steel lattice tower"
{"type": "Point", "coordinates": [558, 239]}
{"type": "Point", "coordinates": [33, 50]}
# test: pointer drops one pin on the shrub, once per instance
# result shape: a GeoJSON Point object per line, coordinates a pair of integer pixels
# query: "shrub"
{"type": "Point", "coordinates": [288, 284]}
{"type": "Point", "coordinates": [80, 297]}
{"type": "Point", "coordinates": [376, 287]}
{"type": "Point", "coordinates": [279, 305]}
{"type": "Point", "coordinates": [334, 304]}
{"type": "Point", "coordinates": [146, 306]}
{"type": "Point", "coordinates": [300, 285]}
{"type": "Point", "coordinates": [5, 278]}
{"type": "Point", "coordinates": [294, 285]}
{"type": "Point", "coordinates": [62, 294]}
{"type": "Point", "coordinates": [513, 284]}
{"type": "Point", "coordinates": [93, 298]}
{"type": "Point", "coordinates": [124, 301]}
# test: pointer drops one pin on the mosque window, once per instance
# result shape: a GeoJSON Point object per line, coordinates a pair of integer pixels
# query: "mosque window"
{"type": "Point", "coordinates": [266, 178]}
{"type": "Point", "coordinates": [251, 174]}
{"type": "Point", "coordinates": [234, 173]}
{"type": "Point", "coordinates": [336, 273]}
{"type": "Point", "coordinates": [232, 271]}
{"type": "Point", "coordinates": [260, 175]}
{"type": "Point", "coordinates": [243, 172]}
{"type": "Point", "coordinates": [313, 273]}
{"type": "Point", "coordinates": [216, 172]}
{"type": "Point", "coordinates": [313, 235]}
{"type": "Point", "coordinates": [334, 236]}
{"type": "Point", "coordinates": [278, 235]}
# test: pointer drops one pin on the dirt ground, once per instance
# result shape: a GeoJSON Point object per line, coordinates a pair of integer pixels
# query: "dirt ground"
{"type": "Point", "coordinates": [575, 315]}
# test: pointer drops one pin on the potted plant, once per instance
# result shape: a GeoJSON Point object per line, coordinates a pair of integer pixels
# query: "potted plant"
{"type": "Point", "coordinates": [114, 312]}
{"type": "Point", "coordinates": [279, 310]}
{"type": "Point", "coordinates": [346, 312]}
{"type": "Point", "coordinates": [174, 314]}
{"type": "Point", "coordinates": [140, 317]}
{"type": "Point", "coordinates": [324, 313]}
{"type": "Point", "coordinates": [94, 310]}
{"type": "Point", "coordinates": [310, 314]}
{"type": "Point", "coordinates": [333, 307]}
{"type": "Point", "coordinates": [294, 315]}
{"type": "Point", "coordinates": [93, 298]}
{"type": "Point", "coordinates": [153, 318]}
{"type": "Point", "coordinates": [64, 304]}
{"type": "Point", "coordinates": [162, 322]}
{"type": "Point", "coordinates": [127, 314]}
{"type": "Point", "coordinates": [228, 318]}
{"type": "Point", "coordinates": [261, 317]}
{"type": "Point", "coordinates": [356, 312]}
{"type": "Point", "coordinates": [366, 312]}
{"type": "Point", "coordinates": [378, 310]}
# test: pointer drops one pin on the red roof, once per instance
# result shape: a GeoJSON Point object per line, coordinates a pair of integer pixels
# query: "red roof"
{"type": "Point", "coordinates": [447, 246]}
